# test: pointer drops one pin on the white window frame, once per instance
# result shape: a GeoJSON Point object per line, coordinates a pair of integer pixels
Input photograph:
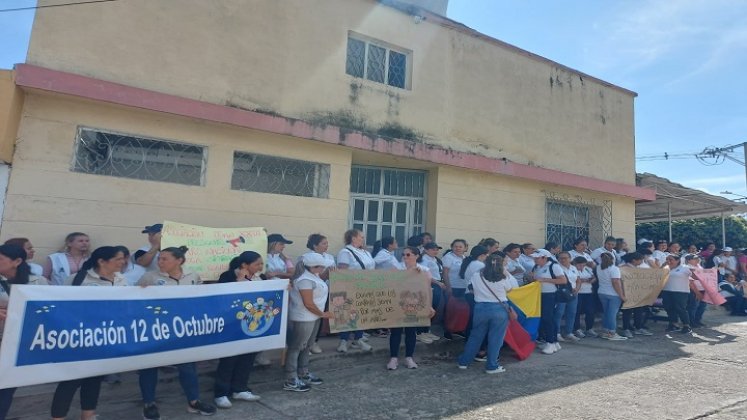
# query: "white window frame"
{"type": "Point", "coordinates": [388, 47]}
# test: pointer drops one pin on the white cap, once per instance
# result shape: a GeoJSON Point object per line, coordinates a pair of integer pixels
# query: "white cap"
{"type": "Point", "coordinates": [642, 240]}
{"type": "Point", "coordinates": [541, 253]}
{"type": "Point", "coordinates": [312, 259]}
{"type": "Point", "coordinates": [727, 249]}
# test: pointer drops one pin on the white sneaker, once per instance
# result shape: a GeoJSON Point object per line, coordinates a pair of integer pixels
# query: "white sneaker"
{"type": "Point", "coordinates": [343, 347]}
{"type": "Point", "coordinates": [315, 348]}
{"type": "Point", "coordinates": [392, 365]}
{"type": "Point", "coordinates": [245, 396]}
{"type": "Point", "coordinates": [591, 333]}
{"type": "Point", "coordinates": [358, 344]}
{"type": "Point", "coordinates": [642, 331]}
{"type": "Point", "coordinates": [549, 348]}
{"type": "Point", "coordinates": [410, 363]}
{"type": "Point", "coordinates": [613, 336]}
{"type": "Point", "coordinates": [572, 338]}
{"type": "Point", "coordinates": [557, 347]}
{"type": "Point", "coordinates": [432, 336]}
{"type": "Point", "coordinates": [627, 334]}
{"type": "Point", "coordinates": [423, 339]}
{"type": "Point", "coordinates": [560, 338]}
{"type": "Point", "coordinates": [580, 333]}
{"type": "Point", "coordinates": [223, 402]}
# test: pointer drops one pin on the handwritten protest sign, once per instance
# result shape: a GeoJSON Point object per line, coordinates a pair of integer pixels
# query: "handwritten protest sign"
{"type": "Point", "coordinates": [366, 299]}
{"type": "Point", "coordinates": [642, 285]}
{"type": "Point", "coordinates": [57, 333]}
{"type": "Point", "coordinates": [709, 280]}
{"type": "Point", "coordinates": [211, 249]}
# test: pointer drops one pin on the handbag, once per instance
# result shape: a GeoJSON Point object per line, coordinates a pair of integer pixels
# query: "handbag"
{"type": "Point", "coordinates": [512, 315]}
{"type": "Point", "coordinates": [457, 315]}
{"type": "Point", "coordinates": [563, 292]}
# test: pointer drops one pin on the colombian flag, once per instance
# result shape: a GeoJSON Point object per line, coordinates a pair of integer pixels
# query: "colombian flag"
{"type": "Point", "coordinates": [520, 336]}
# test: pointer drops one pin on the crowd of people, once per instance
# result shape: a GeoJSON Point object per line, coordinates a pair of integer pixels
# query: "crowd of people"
{"type": "Point", "coordinates": [575, 284]}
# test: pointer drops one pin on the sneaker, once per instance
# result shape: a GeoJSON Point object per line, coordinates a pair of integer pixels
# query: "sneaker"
{"type": "Point", "coordinates": [462, 367]}
{"type": "Point", "coordinates": [358, 344]}
{"type": "Point", "coordinates": [315, 349]}
{"type": "Point", "coordinates": [613, 336]}
{"type": "Point", "coordinates": [343, 347]}
{"type": "Point", "coordinates": [423, 338]}
{"type": "Point", "coordinates": [364, 339]}
{"type": "Point", "coordinates": [262, 360]}
{"type": "Point", "coordinates": [223, 402]}
{"type": "Point", "coordinates": [312, 379]}
{"type": "Point", "coordinates": [580, 333]}
{"type": "Point", "coordinates": [410, 363]}
{"type": "Point", "coordinates": [671, 328]}
{"type": "Point", "coordinates": [560, 338]}
{"type": "Point", "coordinates": [381, 333]}
{"type": "Point", "coordinates": [591, 333]}
{"type": "Point", "coordinates": [548, 348]}
{"type": "Point", "coordinates": [296, 385]}
{"type": "Point", "coordinates": [481, 358]}
{"type": "Point", "coordinates": [686, 330]}
{"type": "Point", "coordinates": [245, 396]}
{"type": "Point", "coordinates": [557, 347]}
{"type": "Point", "coordinates": [199, 407]}
{"type": "Point", "coordinates": [432, 336]}
{"type": "Point", "coordinates": [627, 334]}
{"type": "Point", "coordinates": [150, 412]}
{"type": "Point", "coordinates": [499, 369]}
{"type": "Point", "coordinates": [572, 338]}
{"type": "Point", "coordinates": [642, 331]}
{"type": "Point", "coordinates": [392, 365]}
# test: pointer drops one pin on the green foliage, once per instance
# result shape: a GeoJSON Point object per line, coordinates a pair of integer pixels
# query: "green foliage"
{"type": "Point", "coordinates": [698, 231]}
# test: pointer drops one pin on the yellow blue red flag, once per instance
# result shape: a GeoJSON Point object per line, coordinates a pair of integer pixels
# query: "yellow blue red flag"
{"type": "Point", "coordinates": [526, 301]}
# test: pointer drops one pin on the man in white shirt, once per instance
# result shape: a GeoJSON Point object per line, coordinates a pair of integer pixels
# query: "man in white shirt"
{"type": "Point", "coordinates": [147, 256]}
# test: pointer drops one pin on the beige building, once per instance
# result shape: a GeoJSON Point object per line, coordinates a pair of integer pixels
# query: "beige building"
{"type": "Point", "coordinates": [306, 116]}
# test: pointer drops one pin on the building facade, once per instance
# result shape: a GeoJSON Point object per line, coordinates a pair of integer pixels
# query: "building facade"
{"type": "Point", "coordinates": [307, 116]}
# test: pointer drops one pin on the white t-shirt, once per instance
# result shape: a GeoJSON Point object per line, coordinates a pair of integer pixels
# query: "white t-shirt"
{"type": "Point", "coordinates": [660, 257]}
{"type": "Point", "coordinates": [473, 267]}
{"type": "Point", "coordinates": [528, 263]}
{"type": "Point", "coordinates": [432, 265]}
{"type": "Point", "coordinates": [275, 264]}
{"type": "Point", "coordinates": [679, 280]}
{"type": "Point", "coordinates": [544, 273]}
{"type": "Point", "coordinates": [585, 276]}
{"type": "Point", "coordinates": [133, 272]}
{"type": "Point", "coordinates": [605, 280]}
{"type": "Point", "coordinates": [596, 255]}
{"type": "Point", "coordinates": [571, 274]}
{"type": "Point", "coordinates": [385, 260]}
{"type": "Point", "coordinates": [574, 254]}
{"type": "Point", "coordinates": [454, 263]}
{"type": "Point", "coordinates": [514, 265]}
{"type": "Point", "coordinates": [730, 262]}
{"type": "Point", "coordinates": [153, 266]}
{"type": "Point", "coordinates": [345, 256]}
{"type": "Point", "coordinates": [483, 290]}
{"type": "Point", "coordinates": [307, 281]}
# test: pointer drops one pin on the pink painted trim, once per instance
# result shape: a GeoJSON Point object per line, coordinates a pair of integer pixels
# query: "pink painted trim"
{"type": "Point", "coordinates": [35, 77]}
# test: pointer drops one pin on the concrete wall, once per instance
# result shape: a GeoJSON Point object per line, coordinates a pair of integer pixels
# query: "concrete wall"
{"type": "Point", "coordinates": [467, 93]}
{"type": "Point", "coordinates": [11, 103]}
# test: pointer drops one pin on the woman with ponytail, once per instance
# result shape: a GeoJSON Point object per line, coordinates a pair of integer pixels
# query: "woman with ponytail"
{"type": "Point", "coordinates": [171, 273]}
{"type": "Point", "coordinates": [383, 253]}
{"type": "Point", "coordinates": [101, 269]}
{"type": "Point", "coordinates": [13, 270]}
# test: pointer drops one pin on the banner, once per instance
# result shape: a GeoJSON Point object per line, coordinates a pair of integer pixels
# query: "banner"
{"type": "Point", "coordinates": [55, 333]}
{"type": "Point", "coordinates": [642, 285]}
{"type": "Point", "coordinates": [211, 249]}
{"type": "Point", "coordinates": [368, 299]}
{"type": "Point", "coordinates": [709, 279]}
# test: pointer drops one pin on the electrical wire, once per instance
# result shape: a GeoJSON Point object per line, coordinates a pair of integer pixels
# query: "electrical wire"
{"type": "Point", "coordinates": [19, 9]}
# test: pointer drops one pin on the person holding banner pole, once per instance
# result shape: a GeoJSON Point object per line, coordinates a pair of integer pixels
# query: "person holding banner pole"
{"type": "Point", "coordinates": [232, 374]}
{"type": "Point", "coordinates": [101, 269]}
{"type": "Point", "coordinates": [354, 256]}
{"type": "Point", "coordinates": [13, 270]}
{"type": "Point", "coordinates": [638, 315]}
{"type": "Point", "coordinates": [170, 273]}
{"type": "Point", "coordinates": [308, 298]}
{"type": "Point", "coordinates": [409, 262]}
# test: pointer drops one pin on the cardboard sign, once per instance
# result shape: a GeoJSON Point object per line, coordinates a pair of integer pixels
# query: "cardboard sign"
{"type": "Point", "coordinates": [642, 285]}
{"type": "Point", "coordinates": [211, 249]}
{"type": "Point", "coordinates": [368, 299]}
{"type": "Point", "coordinates": [57, 333]}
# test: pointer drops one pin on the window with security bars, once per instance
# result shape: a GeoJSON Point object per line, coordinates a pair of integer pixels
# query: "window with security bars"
{"type": "Point", "coordinates": [128, 156]}
{"type": "Point", "coordinates": [277, 175]}
{"type": "Point", "coordinates": [376, 62]}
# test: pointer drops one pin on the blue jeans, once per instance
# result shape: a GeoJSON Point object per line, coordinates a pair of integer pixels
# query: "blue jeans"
{"type": "Point", "coordinates": [187, 379]}
{"type": "Point", "coordinates": [610, 306]}
{"type": "Point", "coordinates": [547, 319]}
{"type": "Point", "coordinates": [695, 309]}
{"type": "Point", "coordinates": [490, 319]}
{"type": "Point", "coordinates": [569, 310]}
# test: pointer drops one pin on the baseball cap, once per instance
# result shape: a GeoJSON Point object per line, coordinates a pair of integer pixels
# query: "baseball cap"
{"type": "Point", "coordinates": [432, 245]}
{"type": "Point", "coordinates": [153, 228]}
{"type": "Point", "coordinates": [541, 253]}
{"type": "Point", "coordinates": [313, 259]}
{"type": "Point", "coordinates": [728, 249]}
{"type": "Point", "coordinates": [276, 237]}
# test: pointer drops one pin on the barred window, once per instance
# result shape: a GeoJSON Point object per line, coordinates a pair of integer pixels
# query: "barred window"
{"type": "Point", "coordinates": [375, 61]}
{"type": "Point", "coordinates": [276, 175]}
{"type": "Point", "coordinates": [122, 155]}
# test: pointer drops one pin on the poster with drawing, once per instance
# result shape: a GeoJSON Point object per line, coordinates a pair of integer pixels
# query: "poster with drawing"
{"type": "Point", "coordinates": [642, 285]}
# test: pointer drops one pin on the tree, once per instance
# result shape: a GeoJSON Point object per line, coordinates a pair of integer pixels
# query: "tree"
{"type": "Point", "coordinates": [697, 231]}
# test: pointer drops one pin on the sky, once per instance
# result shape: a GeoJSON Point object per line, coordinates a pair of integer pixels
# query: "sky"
{"type": "Point", "coordinates": [686, 59]}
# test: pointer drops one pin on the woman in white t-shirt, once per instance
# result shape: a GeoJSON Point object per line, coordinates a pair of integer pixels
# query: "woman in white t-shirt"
{"type": "Point", "coordinates": [675, 294]}
{"type": "Point", "coordinates": [383, 253]}
{"type": "Point", "coordinates": [354, 256]}
{"type": "Point", "coordinates": [491, 286]}
{"type": "Point", "coordinates": [513, 265]}
{"type": "Point", "coordinates": [278, 266]}
{"type": "Point", "coordinates": [308, 298]}
{"type": "Point", "coordinates": [611, 295]}
{"type": "Point", "coordinates": [581, 249]}
{"type": "Point", "coordinates": [636, 315]}
{"type": "Point", "coordinates": [567, 309]}
{"type": "Point", "coordinates": [550, 275]}
{"type": "Point", "coordinates": [318, 244]}
{"type": "Point", "coordinates": [455, 286]}
{"type": "Point", "coordinates": [587, 303]}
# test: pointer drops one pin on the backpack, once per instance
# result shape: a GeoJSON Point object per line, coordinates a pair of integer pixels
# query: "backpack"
{"type": "Point", "coordinates": [563, 292]}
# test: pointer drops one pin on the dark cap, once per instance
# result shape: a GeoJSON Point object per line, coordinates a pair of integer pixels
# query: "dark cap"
{"type": "Point", "coordinates": [276, 237]}
{"type": "Point", "coordinates": [432, 245]}
{"type": "Point", "coordinates": [154, 228]}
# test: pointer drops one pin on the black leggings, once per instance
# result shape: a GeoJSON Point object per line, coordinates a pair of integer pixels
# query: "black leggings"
{"type": "Point", "coordinates": [63, 395]}
{"type": "Point", "coordinates": [675, 303]}
{"type": "Point", "coordinates": [586, 307]}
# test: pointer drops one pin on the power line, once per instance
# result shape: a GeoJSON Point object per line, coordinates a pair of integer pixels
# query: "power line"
{"type": "Point", "coordinates": [18, 9]}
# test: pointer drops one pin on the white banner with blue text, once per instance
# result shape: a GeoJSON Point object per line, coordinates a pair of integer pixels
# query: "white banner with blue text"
{"type": "Point", "coordinates": [56, 333]}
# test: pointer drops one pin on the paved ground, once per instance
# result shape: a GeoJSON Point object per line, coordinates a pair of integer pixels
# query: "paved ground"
{"type": "Point", "coordinates": [703, 376]}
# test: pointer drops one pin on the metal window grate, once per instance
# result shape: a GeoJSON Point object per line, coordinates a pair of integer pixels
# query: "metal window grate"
{"type": "Point", "coordinates": [570, 217]}
{"type": "Point", "coordinates": [113, 154]}
{"type": "Point", "coordinates": [277, 175]}
{"type": "Point", "coordinates": [374, 61]}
